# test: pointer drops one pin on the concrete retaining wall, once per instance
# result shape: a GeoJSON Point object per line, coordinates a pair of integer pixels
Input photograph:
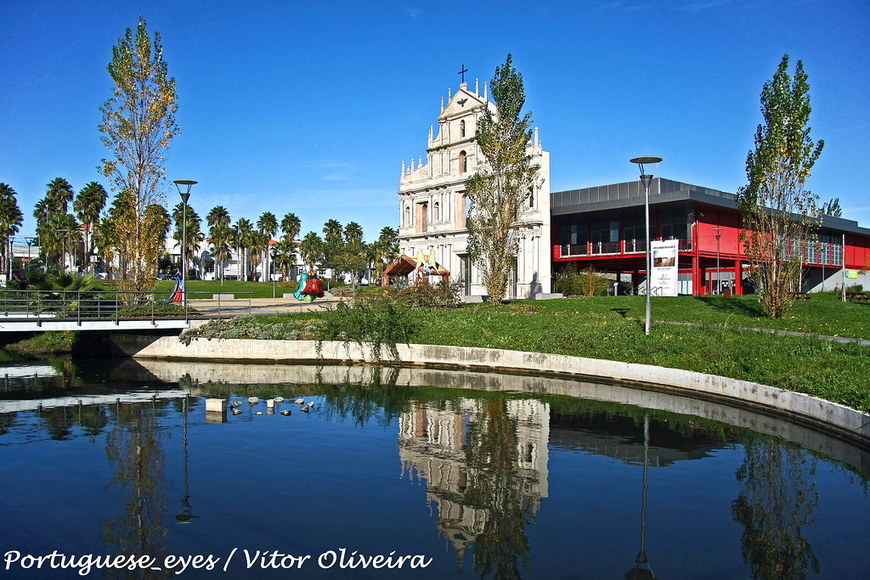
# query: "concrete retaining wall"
{"type": "Point", "coordinates": [844, 420]}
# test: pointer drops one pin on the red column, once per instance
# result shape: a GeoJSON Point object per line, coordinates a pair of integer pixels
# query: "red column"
{"type": "Point", "coordinates": [738, 278]}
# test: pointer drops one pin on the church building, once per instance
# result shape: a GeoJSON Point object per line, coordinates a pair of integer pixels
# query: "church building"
{"type": "Point", "coordinates": [433, 205]}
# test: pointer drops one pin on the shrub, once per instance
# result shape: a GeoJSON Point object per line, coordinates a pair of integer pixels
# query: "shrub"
{"type": "Point", "coordinates": [572, 281]}
{"type": "Point", "coordinates": [376, 320]}
{"type": "Point", "coordinates": [429, 296]}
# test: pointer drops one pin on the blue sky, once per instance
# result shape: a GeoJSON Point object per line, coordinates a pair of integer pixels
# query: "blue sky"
{"type": "Point", "coordinates": [311, 107]}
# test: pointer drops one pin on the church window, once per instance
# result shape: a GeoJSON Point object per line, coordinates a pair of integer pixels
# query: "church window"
{"type": "Point", "coordinates": [463, 162]}
{"type": "Point", "coordinates": [422, 217]}
{"type": "Point", "coordinates": [436, 212]}
{"type": "Point", "coordinates": [407, 216]}
{"type": "Point", "coordinates": [462, 128]}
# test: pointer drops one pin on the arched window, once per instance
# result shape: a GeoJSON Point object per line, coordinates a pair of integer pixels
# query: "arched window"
{"type": "Point", "coordinates": [407, 216]}
{"type": "Point", "coordinates": [463, 167]}
{"type": "Point", "coordinates": [436, 212]}
{"type": "Point", "coordinates": [462, 128]}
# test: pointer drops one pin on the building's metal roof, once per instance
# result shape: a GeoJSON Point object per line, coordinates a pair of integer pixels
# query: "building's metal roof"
{"type": "Point", "coordinates": [631, 194]}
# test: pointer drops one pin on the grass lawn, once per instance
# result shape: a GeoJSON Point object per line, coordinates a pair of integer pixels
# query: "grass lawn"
{"type": "Point", "coordinates": [612, 328]}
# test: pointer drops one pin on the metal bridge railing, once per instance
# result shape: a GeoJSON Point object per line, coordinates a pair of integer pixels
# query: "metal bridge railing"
{"type": "Point", "coordinates": [102, 305]}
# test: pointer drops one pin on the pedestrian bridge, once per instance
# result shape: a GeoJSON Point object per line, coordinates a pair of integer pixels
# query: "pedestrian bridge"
{"type": "Point", "coordinates": [45, 310]}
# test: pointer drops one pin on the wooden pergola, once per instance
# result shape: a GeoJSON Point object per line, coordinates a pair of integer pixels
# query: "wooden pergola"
{"type": "Point", "coordinates": [404, 265]}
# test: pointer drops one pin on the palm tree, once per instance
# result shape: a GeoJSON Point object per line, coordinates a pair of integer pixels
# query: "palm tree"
{"type": "Point", "coordinates": [311, 248]}
{"type": "Point", "coordinates": [333, 242]}
{"type": "Point", "coordinates": [385, 249]}
{"type": "Point", "coordinates": [353, 257]}
{"type": "Point", "coordinates": [221, 234]}
{"type": "Point", "coordinates": [267, 225]}
{"type": "Point", "coordinates": [88, 204]}
{"type": "Point", "coordinates": [59, 193]}
{"type": "Point", "coordinates": [52, 220]}
{"type": "Point", "coordinates": [244, 227]}
{"type": "Point", "coordinates": [195, 235]}
{"type": "Point", "coordinates": [284, 256]}
{"type": "Point", "coordinates": [157, 223]}
{"type": "Point", "coordinates": [256, 243]}
{"type": "Point", "coordinates": [221, 240]}
{"type": "Point", "coordinates": [10, 217]}
{"type": "Point", "coordinates": [291, 225]}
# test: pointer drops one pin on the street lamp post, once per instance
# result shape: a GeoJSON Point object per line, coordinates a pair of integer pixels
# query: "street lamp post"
{"type": "Point", "coordinates": [718, 273]}
{"type": "Point", "coordinates": [646, 179]}
{"type": "Point", "coordinates": [185, 185]}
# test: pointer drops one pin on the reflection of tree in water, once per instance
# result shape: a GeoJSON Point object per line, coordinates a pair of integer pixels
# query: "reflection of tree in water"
{"type": "Point", "coordinates": [134, 446]}
{"type": "Point", "coordinates": [776, 500]}
{"type": "Point", "coordinates": [495, 484]}
{"type": "Point", "coordinates": [484, 462]}
{"type": "Point", "coordinates": [379, 400]}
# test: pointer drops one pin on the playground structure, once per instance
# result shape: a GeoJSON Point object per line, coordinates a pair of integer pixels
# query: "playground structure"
{"type": "Point", "coordinates": [418, 269]}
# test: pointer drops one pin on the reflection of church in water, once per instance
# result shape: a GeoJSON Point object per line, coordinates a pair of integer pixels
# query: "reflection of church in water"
{"type": "Point", "coordinates": [433, 446]}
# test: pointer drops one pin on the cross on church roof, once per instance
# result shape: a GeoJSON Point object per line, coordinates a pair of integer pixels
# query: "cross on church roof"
{"type": "Point", "coordinates": [461, 73]}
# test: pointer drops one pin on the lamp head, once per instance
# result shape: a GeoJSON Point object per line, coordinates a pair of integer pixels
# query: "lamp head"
{"type": "Point", "coordinates": [649, 160]}
{"type": "Point", "coordinates": [184, 186]}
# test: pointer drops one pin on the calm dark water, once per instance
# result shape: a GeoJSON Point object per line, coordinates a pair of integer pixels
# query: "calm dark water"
{"type": "Point", "coordinates": [494, 481]}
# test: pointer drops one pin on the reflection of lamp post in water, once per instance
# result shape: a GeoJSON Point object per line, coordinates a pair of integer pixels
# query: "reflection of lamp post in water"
{"type": "Point", "coordinates": [642, 568]}
{"type": "Point", "coordinates": [646, 180]}
{"type": "Point", "coordinates": [186, 514]}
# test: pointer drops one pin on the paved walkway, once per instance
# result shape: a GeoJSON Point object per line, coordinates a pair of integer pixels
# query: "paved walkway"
{"type": "Point", "coordinates": [843, 339]}
{"type": "Point", "coordinates": [241, 306]}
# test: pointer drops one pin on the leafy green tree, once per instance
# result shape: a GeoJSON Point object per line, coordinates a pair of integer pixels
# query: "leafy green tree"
{"type": "Point", "coordinates": [88, 205]}
{"type": "Point", "coordinates": [267, 225]}
{"type": "Point", "coordinates": [10, 218]}
{"type": "Point", "coordinates": [775, 505]}
{"type": "Point", "coordinates": [311, 248]}
{"type": "Point", "coordinates": [138, 124]}
{"type": "Point", "coordinates": [779, 215]}
{"type": "Point", "coordinates": [502, 183]}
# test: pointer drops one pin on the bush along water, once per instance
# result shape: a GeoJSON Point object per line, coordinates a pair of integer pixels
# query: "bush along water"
{"type": "Point", "coordinates": [378, 321]}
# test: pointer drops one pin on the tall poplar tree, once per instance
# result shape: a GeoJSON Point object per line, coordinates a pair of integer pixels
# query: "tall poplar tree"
{"type": "Point", "coordinates": [138, 124]}
{"type": "Point", "coordinates": [502, 182]}
{"type": "Point", "coordinates": [779, 215]}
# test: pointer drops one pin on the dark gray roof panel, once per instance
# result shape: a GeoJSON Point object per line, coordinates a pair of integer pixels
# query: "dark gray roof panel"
{"type": "Point", "coordinates": [631, 194]}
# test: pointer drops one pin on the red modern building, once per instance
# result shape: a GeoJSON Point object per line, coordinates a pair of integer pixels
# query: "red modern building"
{"type": "Point", "coordinates": [603, 227]}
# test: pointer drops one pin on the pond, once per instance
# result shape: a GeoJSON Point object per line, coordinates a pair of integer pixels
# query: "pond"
{"type": "Point", "coordinates": [114, 468]}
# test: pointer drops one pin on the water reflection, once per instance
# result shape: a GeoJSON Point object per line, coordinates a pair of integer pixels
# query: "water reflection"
{"type": "Point", "coordinates": [491, 465]}
{"type": "Point", "coordinates": [776, 503]}
{"type": "Point", "coordinates": [135, 448]}
{"type": "Point", "coordinates": [485, 466]}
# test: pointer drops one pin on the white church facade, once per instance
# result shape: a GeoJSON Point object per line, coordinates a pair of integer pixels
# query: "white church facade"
{"type": "Point", "coordinates": [433, 205]}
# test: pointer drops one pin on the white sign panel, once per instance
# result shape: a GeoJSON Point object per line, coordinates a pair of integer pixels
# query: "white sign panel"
{"type": "Point", "coordinates": [664, 267]}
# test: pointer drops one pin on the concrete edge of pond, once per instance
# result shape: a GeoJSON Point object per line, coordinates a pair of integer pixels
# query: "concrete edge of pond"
{"type": "Point", "coordinates": [841, 419]}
